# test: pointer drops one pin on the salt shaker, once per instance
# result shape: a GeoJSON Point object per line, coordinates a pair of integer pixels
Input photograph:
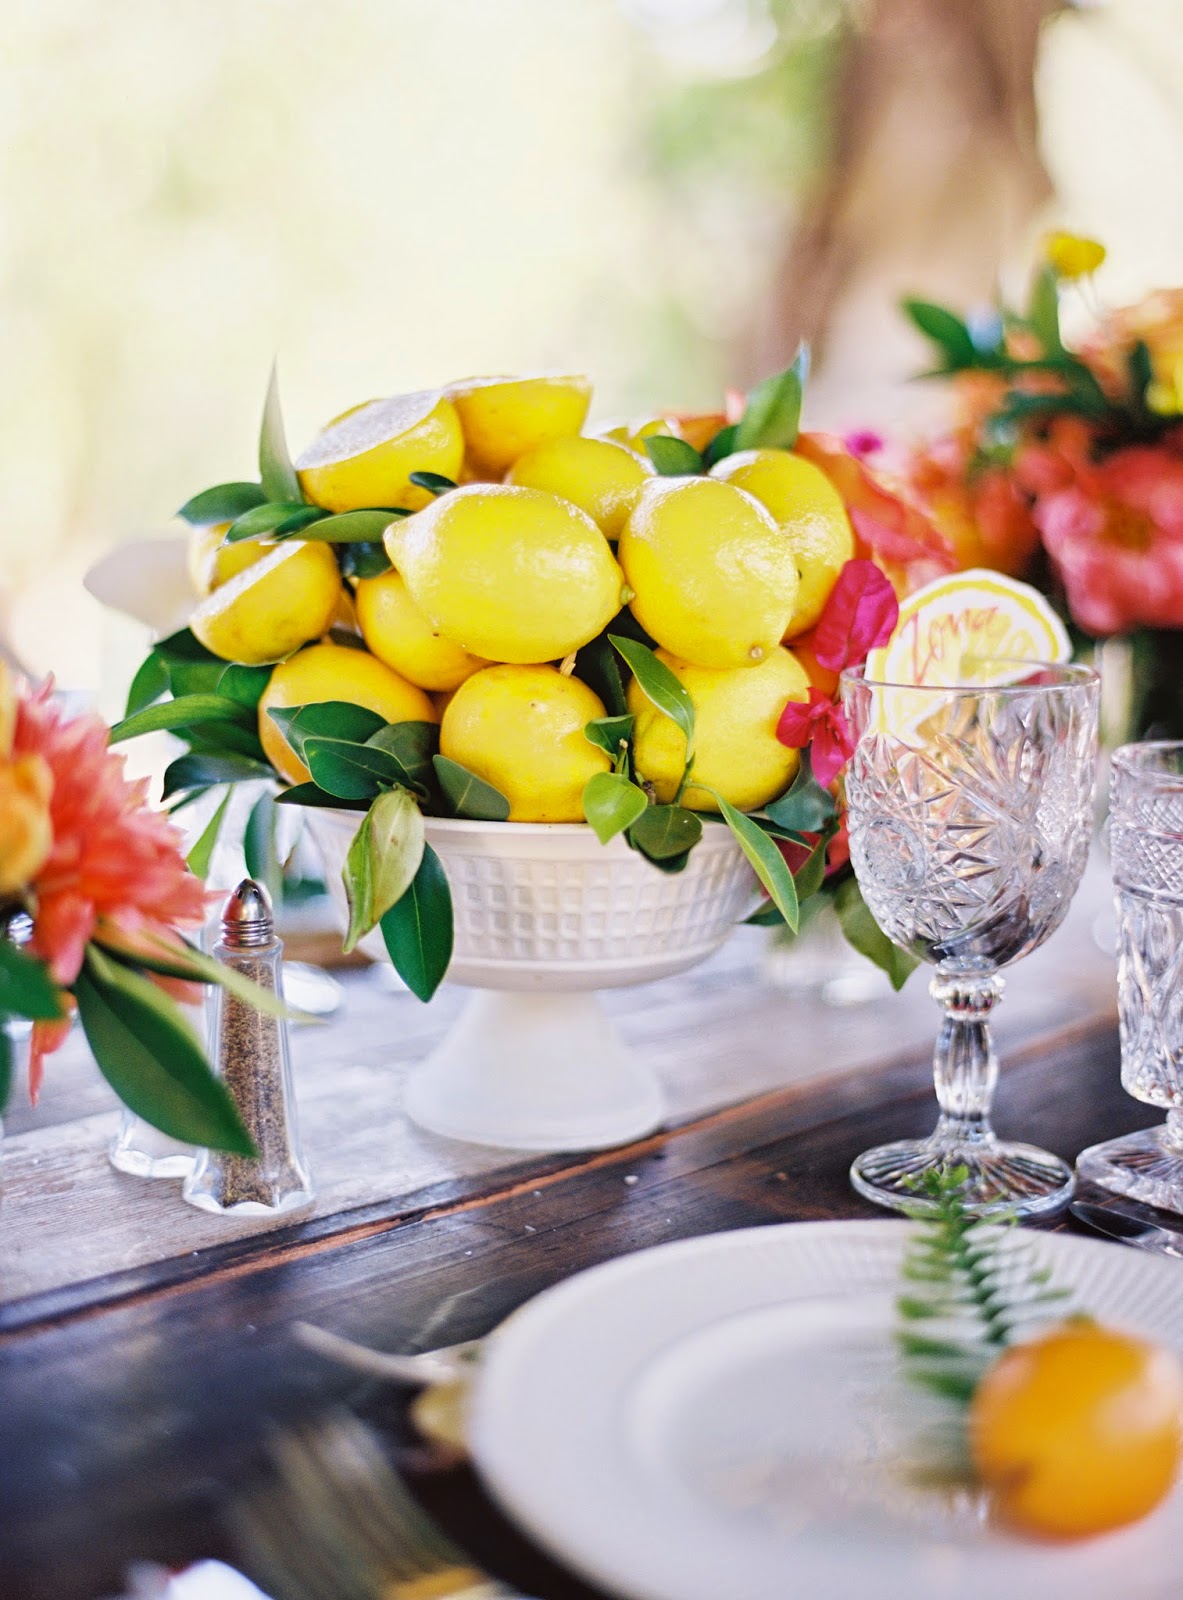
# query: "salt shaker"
{"type": "Point", "coordinates": [250, 1055]}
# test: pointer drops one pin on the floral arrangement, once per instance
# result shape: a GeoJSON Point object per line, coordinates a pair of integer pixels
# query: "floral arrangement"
{"type": "Point", "coordinates": [93, 894]}
{"type": "Point", "coordinates": [389, 767]}
{"type": "Point", "coordinates": [1064, 464]}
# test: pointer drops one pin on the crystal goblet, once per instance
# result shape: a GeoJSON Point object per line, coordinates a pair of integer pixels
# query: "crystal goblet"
{"type": "Point", "coordinates": [1146, 852]}
{"type": "Point", "coordinates": [970, 810]}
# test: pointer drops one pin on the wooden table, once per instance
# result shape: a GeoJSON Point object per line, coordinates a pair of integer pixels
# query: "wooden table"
{"type": "Point", "coordinates": [132, 1407]}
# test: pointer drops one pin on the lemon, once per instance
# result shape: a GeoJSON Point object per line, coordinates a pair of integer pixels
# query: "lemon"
{"type": "Point", "coordinates": [510, 574]}
{"type": "Point", "coordinates": [715, 578]}
{"type": "Point", "coordinates": [634, 433]}
{"type": "Point", "coordinates": [809, 509]}
{"type": "Point", "coordinates": [334, 672]}
{"type": "Point", "coordinates": [275, 606]}
{"type": "Point", "coordinates": [521, 729]}
{"type": "Point", "coordinates": [736, 751]}
{"type": "Point", "coordinates": [211, 563]}
{"type": "Point", "coordinates": [957, 629]}
{"type": "Point", "coordinates": [365, 456]}
{"type": "Point", "coordinates": [400, 634]}
{"type": "Point", "coordinates": [601, 478]}
{"type": "Point", "coordinates": [502, 418]}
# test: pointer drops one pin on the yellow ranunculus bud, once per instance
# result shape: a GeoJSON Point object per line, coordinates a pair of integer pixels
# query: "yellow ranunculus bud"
{"type": "Point", "coordinates": [1070, 255]}
{"type": "Point", "coordinates": [26, 834]}
{"type": "Point", "coordinates": [7, 709]}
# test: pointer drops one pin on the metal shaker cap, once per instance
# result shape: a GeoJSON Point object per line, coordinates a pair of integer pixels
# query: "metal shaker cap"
{"type": "Point", "coordinates": [246, 917]}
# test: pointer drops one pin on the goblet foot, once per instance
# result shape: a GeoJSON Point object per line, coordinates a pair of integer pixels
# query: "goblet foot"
{"type": "Point", "coordinates": [1146, 1166]}
{"type": "Point", "coordinates": [1015, 1180]}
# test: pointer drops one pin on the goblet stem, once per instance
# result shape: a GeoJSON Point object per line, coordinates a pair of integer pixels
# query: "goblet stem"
{"type": "Point", "coordinates": [964, 1065]}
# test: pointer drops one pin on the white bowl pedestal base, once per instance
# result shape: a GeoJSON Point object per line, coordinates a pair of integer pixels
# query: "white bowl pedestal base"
{"type": "Point", "coordinates": [531, 1071]}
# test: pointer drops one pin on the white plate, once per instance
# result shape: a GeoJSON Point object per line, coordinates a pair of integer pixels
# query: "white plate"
{"type": "Point", "coordinates": [723, 1419]}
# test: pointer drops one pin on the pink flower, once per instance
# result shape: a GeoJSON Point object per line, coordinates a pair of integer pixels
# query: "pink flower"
{"type": "Point", "coordinates": [822, 726]}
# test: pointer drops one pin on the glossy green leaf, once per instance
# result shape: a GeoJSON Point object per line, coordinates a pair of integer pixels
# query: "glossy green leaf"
{"type": "Point", "coordinates": [365, 559]}
{"type": "Point", "coordinates": [156, 954]}
{"type": "Point", "coordinates": [382, 862]}
{"type": "Point", "coordinates": [276, 472]}
{"type": "Point", "coordinates": [352, 771]}
{"type": "Point", "coordinates": [200, 856]}
{"type": "Point", "coordinates": [772, 414]}
{"type": "Point", "coordinates": [225, 502]}
{"type": "Point", "coordinates": [151, 1058]}
{"type": "Point", "coordinates": [811, 874]}
{"type": "Point", "coordinates": [658, 684]}
{"type": "Point", "coordinates": [413, 745]}
{"type": "Point", "coordinates": [261, 521]}
{"type": "Point", "coordinates": [598, 665]}
{"type": "Point", "coordinates": [202, 771]}
{"type": "Point", "coordinates": [433, 482]}
{"type": "Point", "coordinates": [223, 738]}
{"type": "Point", "coordinates": [418, 929]}
{"type": "Point", "coordinates": [184, 645]}
{"type": "Point", "coordinates": [611, 804]}
{"type": "Point", "coordinates": [1043, 311]}
{"type": "Point", "coordinates": [947, 331]}
{"type": "Point", "coordinates": [466, 795]}
{"type": "Point", "coordinates": [181, 713]}
{"type": "Point", "coordinates": [244, 685]}
{"type": "Point", "coordinates": [767, 862]}
{"type": "Point", "coordinates": [353, 526]}
{"type": "Point", "coordinates": [26, 987]}
{"type": "Point", "coordinates": [259, 848]}
{"type": "Point", "coordinates": [150, 682]}
{"type": "Point", "coordinates": [670, 865]}
{"type": "Point", "coordinates": [673, 458]}
{"type": "Point", "coordinates": [310, 794]}
{"type": "Point", "coordinates": [867, 937]}
{"type": "Point", "coordinates": [195, 677]}
{"type": "Point", "coordinates": [664, 833]}
{"type": "Point", "coordinates": [332, 719]}
{"type": "Point", "coordinates": [723, 444]}
{"type": "Point", "coordinates": [805, 806]}
{"type": "Point", "coordinates": [609, 733]}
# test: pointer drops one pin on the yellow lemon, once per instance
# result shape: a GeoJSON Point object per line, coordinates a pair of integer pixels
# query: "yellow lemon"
{"type": "Point", "coordinates": [211, 563]}
{"type": "Point", "coordinates": [633, 434]}
{"type": "Point", "coordinates": [809, 509]}
{"type": "Point", "coordinates": [602, 478]}
{"type": "Point", "coordinates": [334, 672]}
{"type": "Point", "coordinates": [403, 636]}
{"type": "Point", "coordinates": [736, 751]}
{"type": "Point", "coordinates": [365, 457]}
{"type": "Point", "coordinates": [502, 418]}
{"type": "Point", "coordinates": [275, 606]}
{"type": "Point", "coordinates": [509, 574]}
{"type": "Point", "coordinates": [521, 729]}
{"type": "Point", "coordinates": [715, 578]}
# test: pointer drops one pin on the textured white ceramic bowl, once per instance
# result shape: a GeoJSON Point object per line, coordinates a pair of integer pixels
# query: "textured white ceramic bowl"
{"type": "Point", "coordinates": [544, 914]}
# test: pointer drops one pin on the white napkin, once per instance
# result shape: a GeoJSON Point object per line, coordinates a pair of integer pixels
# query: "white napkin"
{"type": "Point", "coordinates": [206, 1580]}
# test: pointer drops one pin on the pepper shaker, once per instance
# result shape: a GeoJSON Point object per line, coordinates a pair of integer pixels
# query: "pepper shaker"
{"type": "Point", "coordinates": [250, 1055]}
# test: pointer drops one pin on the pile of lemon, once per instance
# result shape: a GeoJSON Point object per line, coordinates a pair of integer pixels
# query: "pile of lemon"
{"type": "Point", "coordinates": [515, 540]}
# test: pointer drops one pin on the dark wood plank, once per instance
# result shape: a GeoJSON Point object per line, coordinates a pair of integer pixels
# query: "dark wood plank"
{"type": "Point", "coordinates": [122, 1430]}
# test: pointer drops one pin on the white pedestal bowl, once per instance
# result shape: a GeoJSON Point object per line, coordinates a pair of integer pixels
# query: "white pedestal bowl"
{"type": "Point", "coordinates": [544, 916]}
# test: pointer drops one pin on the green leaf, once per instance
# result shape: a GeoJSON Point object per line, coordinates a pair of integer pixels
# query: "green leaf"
{"type": "Point", "coordinates": [767, 862]}
{"type": "Point", "coordinates": [26, 987]}
{"type": "Point", "coordinates": [258, 846]}
{"type": "Point", "coordinates": [225, 502]}
{"type": "Point", "coordinates": [947, 331]}
{"type": "Point", "coordinates": [182, 713]}
{"type": "Point", "coordinates": [663, 833]}
{"type": "Point", "coordinates": [418, 929]}
{"type": "Point", "coordinates": [352, 771]}
{"type": "Point", "coordinates": [772, 415]}
{"type": "Point", "coordinates": [223, 738]}
{"type": "Point", "coordinates": [365, 559]}
{"type": "Point", "coordinates": [311, 794]}
{"type": "Point", "coordinates": [382, 861]}
{"type": "Point", "coordinates": [466, 795]}
{"type": "Point", "coordinates": [811, 874]}
{"type": "Point", "coordinates": [673, 458]}
{"type": "Point", "coordinates": [353, 526]}
{"type": "Point", "coordinates": [723, 444]}
{"type": "Point", "coordinates": [609, 733]}
{"type": "Point", "coordinates": [865, 934]}
{"type": "Point", "coordinates": [151, 1058]}
{"type": "Point", "coordinates": [1043, 311]}
{"type": "Point", "coordinates": [433, 482]}
{"type": "Point", "coordinates": [598, 665]}
{"type": "Point", "coordinates": [1141, 372]}
{"type": "Point", "coordinates": [658, 684]}
{"type": "Point", "coordinates": [611, 804]}
{"type": "Point", "coordinates": [244, 685]}
{"type": "Point", "coordinates": [276, 472]}
{"type": "Point", "coordinates": [805, 806]}
{"type": "Point", "coordinates": [184, 645]}
{"type": "Point", "coordinates": [669, 864]}
{"type": "Point", "coordinates": [195, 677]}
{"type": "Point", "coordinates": [332, 719]}
{"type": "Point", "coordinates": [201, 771]}
{"type": "Point", "coordinates": [413, 745]}
{"type": "Point", "coordinates": [262, 521]}
{"type": "Point", "coordinates": [150, 682]}
{"type": "Point", "coordinates": [199, 857]}
{"type": "Point", "coordinates": [195, 966]}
